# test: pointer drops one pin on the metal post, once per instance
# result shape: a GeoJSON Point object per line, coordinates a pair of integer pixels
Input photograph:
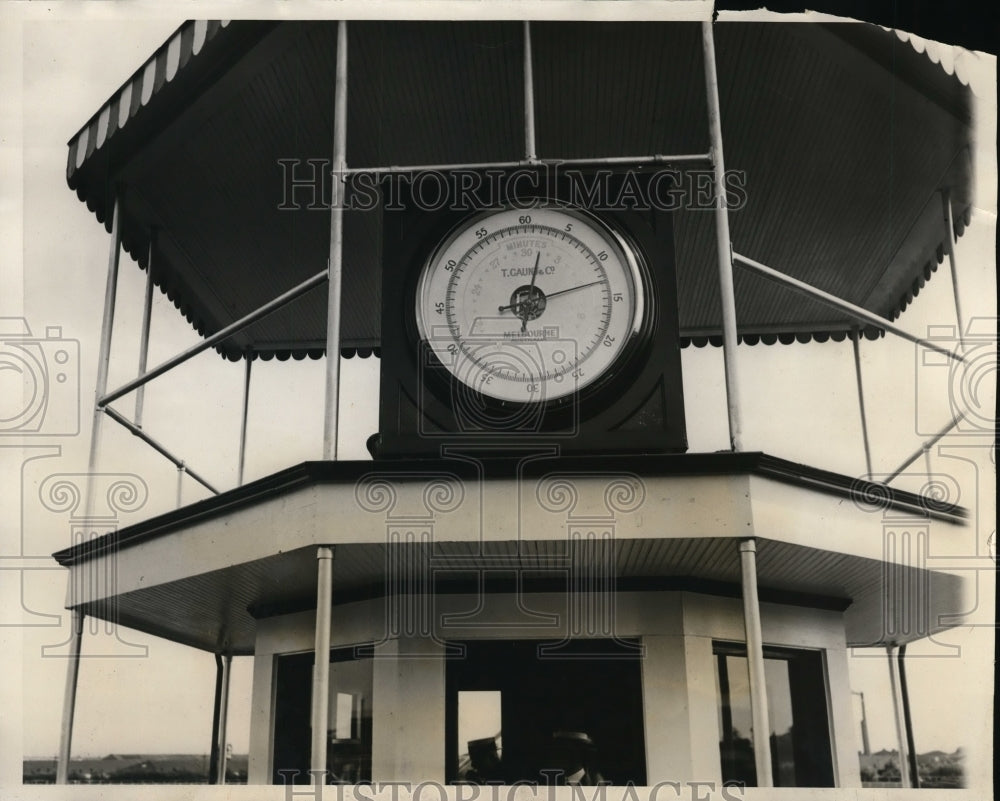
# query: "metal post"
{"type": "Point", "coordinates": [855, 337]}
{"type": "Point", "coordinates": [593, 161]}
{"type": "Point", "coordinates": [213, 758]}
{"type": "Point", "coordinates": [104, 350]}
{"type": "Point", "coordinates": [907, 718]}
{"type": "Point", "coordinates": [865, 742]}
{"type": "Point", "coordinates": [321, 665]}
{"type": "Point", "coordinates": [214, 339]}
{"type": "Point", "coordinates": [243, 418]}
{"type": "Point", "coordinates": [755, 664]}
{"type": "Point", "coordinates": [925, 447]}
{"type": "Point", "coordinates": [858, 313]}
{"type": "Point", "coordinates": [180, 484]}
{"type": "Point", "coordinates": [949, 241]}
{"type": "Point", "coordinates": [158, 447]}
{"type": "Point", "coordinates": [904, 773]}
{"type": "Point", "coordinates": [336, 265]}
{"type": "Point", "coordinates": [147, 311]}
{"type": "Point", "coordinates": [223, 713]}
{"type": "Point", "coordinates": [529, 98]}
{"type": "Point", "coordinates": [69, 698]}
{"type": "Point", "coordinates": [723, 243]}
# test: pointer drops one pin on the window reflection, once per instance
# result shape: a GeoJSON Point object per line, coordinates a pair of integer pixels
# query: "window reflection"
{"type": "Point", "coordinates": [797, 713]}
{"type": "Point", "coordinates": [349, 727]}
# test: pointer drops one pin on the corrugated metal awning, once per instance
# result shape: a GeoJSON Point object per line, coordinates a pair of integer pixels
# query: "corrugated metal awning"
{"type": "Point", "coordinates": [845, 133]}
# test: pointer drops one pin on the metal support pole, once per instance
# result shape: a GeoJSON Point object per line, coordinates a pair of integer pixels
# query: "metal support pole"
{"type": "Point", "coordinates": [723, 244]}
{"type": "Point", "coordinates": [104, 351]}
{"type": "Point", "coordinates": [858, 313]}
{"type": "Point", "coordinates": [925, 447]}
{"type": "Point", "coordinates": [214, 339]}
{"type": "Point", "coordinates": [227, 670]}
{"type": "Point", "coordinates": [904, 773]}
{"type": "Point", "coordinates": [158, 447]}
{"type": "Point", "coordinates": [147, 312]}
{"type": "Point", "coordinates": [855, 337]}
{"type": "Point", "coordinates": [529, 98]}
{"type": "Point", "coordinates": [213, 758]}
{"type": "Point", "coordinates": [596, 161]}
{"type": "Point", "coordinates": [865, 742]}
{"type": "Point", "coordinates": [321, 664]}
{"type": "Point", "coordinates": [180, 484]}
{"type": "Point", "coordinates": [755, 664]}
{"type": "Point", "coordinates": [949, 241]}
{"type": "Point", "coordinates": [243, 417]}
{"type": "Point", "coordinates": [69, 698]}
{"type": "Point", "coordinates": [911, 762]}
{"type": "Point", "coordinates": [336, 262]}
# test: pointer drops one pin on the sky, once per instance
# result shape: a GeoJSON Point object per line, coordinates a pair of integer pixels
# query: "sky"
{"type": "Point", "coordinates": [800, 403]}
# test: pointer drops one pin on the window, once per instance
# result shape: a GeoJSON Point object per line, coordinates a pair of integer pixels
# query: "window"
{"type": "Point", "coordinates": [797, 713]}
{"type": "Point", "coordinates": [514, 711]}
{"type": "Point", "coordinates": [349, 726]}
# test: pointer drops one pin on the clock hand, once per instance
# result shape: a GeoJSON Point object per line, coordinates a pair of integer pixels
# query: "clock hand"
{"type": "Point", "coordinates": [550, 295]}
{"type": "Point", "coordinates": [531, 289]}
{"type": "Point", "coordinates": [534, 273]}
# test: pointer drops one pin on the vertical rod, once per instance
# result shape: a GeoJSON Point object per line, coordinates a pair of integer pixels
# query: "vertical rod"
{"type": "Point", "coordinates": [907, 719]}
{"type": "Point", "coordinates": [336, 262]}
{"type": "Point", "coordinates": [725, 704]}
{"type": "Point", "coordinates": [180, 484]}
{"type": "Point", "coordinates": [855, 341]}
{"type": "Point", "coordinates": [213, 758]}
{"type": "Point", "coordinates": [723, 244]}
{"type": "Point", "coordinates": [865, 742]}
{"type": "Point", "coordinates": [904, 772]}
{"type": "Point", "coordinates": [147, 312]}
{"type": "Point", "coordinates": [243, 417]}
{"type": "Point", "coordinates": [949, 240]}
{"type": "Point", "coordinates": [227, 670]}
{"type": "Point", "coordinates": [321, 665]}
{"type": "Point", "coordinates": [755, 663]}
{"type": "Point", "coordinates": [104, 351]}
{"type": "Point", "coordinates": [69, 698]}
{"type": "Point", "coordinates": [529, 97]}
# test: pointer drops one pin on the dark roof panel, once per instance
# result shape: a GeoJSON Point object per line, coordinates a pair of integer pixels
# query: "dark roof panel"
{"type": "Point", "coordinates": [845, 136]}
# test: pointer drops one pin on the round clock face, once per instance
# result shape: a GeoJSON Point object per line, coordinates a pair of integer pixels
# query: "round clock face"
{"type": "Point", "coordinates": [530, 305]}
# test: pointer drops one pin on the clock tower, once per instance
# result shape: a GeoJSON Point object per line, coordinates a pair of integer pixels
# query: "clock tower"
{"type": "Point", "coordinates": [517, 317]}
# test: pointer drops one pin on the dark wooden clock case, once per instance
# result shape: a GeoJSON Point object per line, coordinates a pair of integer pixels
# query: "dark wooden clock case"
{"type": "Point", "coordinates": [636, 407]}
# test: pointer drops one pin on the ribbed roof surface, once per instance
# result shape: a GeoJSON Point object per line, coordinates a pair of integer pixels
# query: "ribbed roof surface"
{"type": "Point", "coordinates": [845, 133]}
{"type": "Point", "coordinates": [223, 603]}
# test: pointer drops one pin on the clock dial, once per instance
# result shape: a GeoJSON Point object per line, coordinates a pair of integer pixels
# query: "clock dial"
{"type": "Point", "coordinates": [530, 305]}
